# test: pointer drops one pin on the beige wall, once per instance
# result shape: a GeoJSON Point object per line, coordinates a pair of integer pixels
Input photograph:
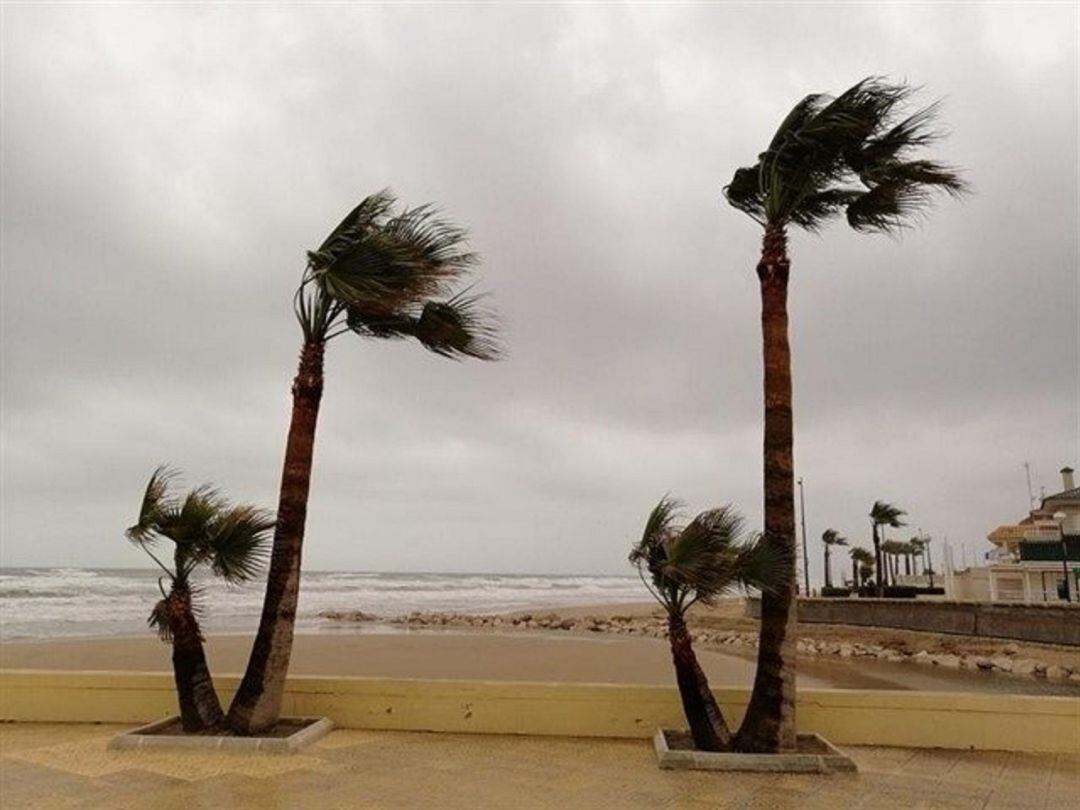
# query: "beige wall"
{"type": "Point", "coordinates": [915, 719]}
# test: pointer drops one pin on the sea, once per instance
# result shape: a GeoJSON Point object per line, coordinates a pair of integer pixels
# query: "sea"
{"type": "Point", "coordinates": [47, 603]}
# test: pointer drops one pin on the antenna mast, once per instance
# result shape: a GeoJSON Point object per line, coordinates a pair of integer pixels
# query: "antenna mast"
{"type": "Point", "coordinates": [1031, 493]}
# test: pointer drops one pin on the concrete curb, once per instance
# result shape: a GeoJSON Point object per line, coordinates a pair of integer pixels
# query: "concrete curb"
{"type": "Point", "coordinates": [145, 737]}
{"type": "Point", "coordinates": [826, 758]}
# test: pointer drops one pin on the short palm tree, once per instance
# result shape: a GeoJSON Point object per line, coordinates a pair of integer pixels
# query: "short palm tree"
{"type": "Point", "coordinates": [206, 531]}
{"type": "Point", "coordinates": [883, 514]}
{"type": "Point", "coordinates": [683, 565]}
{"type": "Point", "coordinates": [852, 155]}
{"type": "Point", "coordinates": [862, 561]}
{"type": "Point", "coordinates": [382, 273]}
{"type": "Point", "coordinates": [830, 538]}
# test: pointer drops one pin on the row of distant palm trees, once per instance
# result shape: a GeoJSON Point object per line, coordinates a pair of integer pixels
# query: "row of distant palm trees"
{"type": "Point", "coordinates": [883, 564]}
{"type": "Point", "coordinates": [395, 273]}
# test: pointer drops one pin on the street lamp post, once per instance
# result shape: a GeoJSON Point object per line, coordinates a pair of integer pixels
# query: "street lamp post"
{"type": "Point", "coordinates": [929, 559]}
{"type": "Point", "coordinates": [805, 553]}
{"type": "Point", "coordinates": [1059, 519]}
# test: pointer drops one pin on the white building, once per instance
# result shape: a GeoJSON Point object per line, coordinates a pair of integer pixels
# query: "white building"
{"type": "Point", "coordinates": [1032, 558]}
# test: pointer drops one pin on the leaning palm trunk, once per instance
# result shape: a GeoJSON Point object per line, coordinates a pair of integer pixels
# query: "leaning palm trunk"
{"type": "Point", "coordinates": [200, 709]}
{"type": "Point", "coordinates": [707, 725]}
{"type": "Point", "coordinates": [769, 724]}
{"type": "Point", "coordinates": [257, 704]}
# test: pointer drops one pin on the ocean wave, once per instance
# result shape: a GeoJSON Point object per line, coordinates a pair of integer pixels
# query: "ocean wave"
{"type": "Point", "coordinates": [43, 603]}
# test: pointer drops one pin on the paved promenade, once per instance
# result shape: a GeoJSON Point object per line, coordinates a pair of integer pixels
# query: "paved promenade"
{"type": "Point", "coordinates": [57, 767]}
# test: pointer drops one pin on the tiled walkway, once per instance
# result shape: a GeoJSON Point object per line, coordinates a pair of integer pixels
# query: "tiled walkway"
{"type": "Point", "coordinates": [68, 766]}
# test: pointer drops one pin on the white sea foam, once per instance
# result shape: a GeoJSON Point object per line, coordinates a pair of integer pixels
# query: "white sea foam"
{"type": "Point", "coordinates": [38, 603]}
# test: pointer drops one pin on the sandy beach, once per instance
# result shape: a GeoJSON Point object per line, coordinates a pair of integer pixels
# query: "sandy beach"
{"type": "Point", "coordinates": [375, 649]}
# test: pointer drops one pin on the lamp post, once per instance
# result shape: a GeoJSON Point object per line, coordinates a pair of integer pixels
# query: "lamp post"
{"type": "Point", "coordinates": [805, 553]}
{"type": "Point", "coordinates": [1059, 519]}
{"type": "Point", "coordinates": [929, 558]}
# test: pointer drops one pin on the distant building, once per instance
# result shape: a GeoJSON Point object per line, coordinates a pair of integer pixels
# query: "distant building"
{"type": "Point", "coordinates": [1027, 563]}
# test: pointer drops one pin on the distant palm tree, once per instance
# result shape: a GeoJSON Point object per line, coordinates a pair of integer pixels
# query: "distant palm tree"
{"type": "Point", "coordinates": [206, 531]}
{"type": "Point", "coordinates": [883, 514]}
{"type": "Point", "coordinates": [861, 562]}
{"type": "Point", "coordinates": [918, 554]}
{"type": "Point", "coordinates": [830, 538]}
{"type": "Point", "coordinates": [699, 562]}
{"type": "Point", "coordinates": [893, 550]}
{"type": "Point", "coordinates": [382, 274]}
{"type": "Point", "coordinates": [850, 155]}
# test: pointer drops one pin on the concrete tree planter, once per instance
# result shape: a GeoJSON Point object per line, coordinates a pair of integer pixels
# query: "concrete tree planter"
{"type": "Point", "coordinates": [289, 736]}
{"type": "Point", "coordinates": [815, 754]}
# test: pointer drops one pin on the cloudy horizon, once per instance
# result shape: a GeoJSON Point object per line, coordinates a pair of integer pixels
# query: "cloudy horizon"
{"type": "Point", "coordinates": [165, 168]}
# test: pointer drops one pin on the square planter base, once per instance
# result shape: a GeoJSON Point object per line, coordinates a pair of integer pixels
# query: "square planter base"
{"type": "Point", "coordinates": [289, 736]}
{"type": "Point", "coordinates": [815, 754]}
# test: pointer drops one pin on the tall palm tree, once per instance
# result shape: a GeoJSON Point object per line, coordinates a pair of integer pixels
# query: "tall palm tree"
{"type": "Point", "coordinates": [861, 561]}
{"type": "Point", "coordinates": [699, 562]}
{"type": "Point", "coordinates": [206, 531]}
{"type": "Point", "coordinates": [852, 154]}
{"type": "Point", "coordinates": [830, 538]}
{"type": "Point", "coordinates": [883, 514]}
{"type": "Point", "coordinates": [383, 273]}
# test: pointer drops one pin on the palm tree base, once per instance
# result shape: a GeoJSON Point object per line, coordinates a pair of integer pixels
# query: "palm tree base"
{"type": "Point", "coordinates": [813, 754]}
{"type": "Point", "coordinates": [288, 736]}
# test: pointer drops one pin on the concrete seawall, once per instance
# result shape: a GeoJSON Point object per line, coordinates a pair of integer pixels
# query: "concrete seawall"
{"type": "Point", "coordinates": [1044, 624]}
{"type": "Point", "coordinates": [851, 717]}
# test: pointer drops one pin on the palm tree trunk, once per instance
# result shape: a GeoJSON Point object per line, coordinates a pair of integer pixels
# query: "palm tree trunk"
{"type": "Point", "coordinates": [879, 584]}
{"type": "Point", "coordinates": [907, 565]}
{"type": "Point", "coordinates": [828, 579]}
{"type": "Point", "coordinates": [855, 574]}
{"type": "Point", "coordinates": [707, 725]}
{"type": "Point", "coordinates": [769, 724]}
{"type": "Point", "coordinates": [200, 709]}
{"type": "Point", "coordinates": [257, 705]}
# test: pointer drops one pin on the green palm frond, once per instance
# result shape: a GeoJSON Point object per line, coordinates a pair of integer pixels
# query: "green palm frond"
{"type": "Point", "coordinates": [380, 324]}
{"type": "Point", "coordinates": [459, 327]}
{"type": "Point", "coordinates": [831, 537]}
{"type": "Point", "coordinates": [862, 556]}
{"type": "Point", "coordinates": [387, 263]}
{"type": "Point", "coordinates": [392, 274]}
{"type": "Point", "coordinates": [885, 514]}
{"type": "Point", "coordinates": [703, 560]}
{"type": "Point", "coordinates": [847, 155]}
{"type": "Point", "coordinates": [155, 501]}
{"type": "Point", "coordinates": [237, 543]}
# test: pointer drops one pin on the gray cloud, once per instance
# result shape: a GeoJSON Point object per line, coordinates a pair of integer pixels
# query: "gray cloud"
{"type": "Point", "coordinates": [164, 168]}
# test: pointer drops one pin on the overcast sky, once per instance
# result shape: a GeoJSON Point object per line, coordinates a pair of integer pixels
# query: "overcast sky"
{"type": "Point", "coordinates": [165, 168]}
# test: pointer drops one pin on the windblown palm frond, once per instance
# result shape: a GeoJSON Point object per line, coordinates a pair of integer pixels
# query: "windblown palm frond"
{"type": "Point", "coordinates": [885, 514]}
{"type": "Point", "coordinates": [155, 502]}
{"type": "Point", "coordinates": [459, 327]}
{"type": "Point", "coordinates": [237, 545]}
{"type": "Point", "coordinates": [862, 556]}
{"type": "Point", "coordinates": [831, 537]}
{"type": "Point", "coordinates": [894, 547]}
{"type": "Point", "coordinates": [703, 560]}
{"type": "Point", "coordinates": [382, 274]}
{"type": "Point", "coordinates": [205, 529]}
{"type": "Point", "coordinates": [851, 154]}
